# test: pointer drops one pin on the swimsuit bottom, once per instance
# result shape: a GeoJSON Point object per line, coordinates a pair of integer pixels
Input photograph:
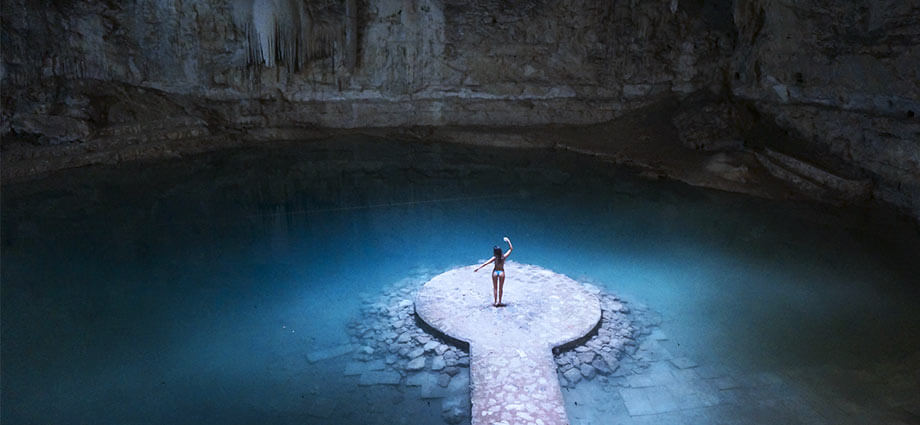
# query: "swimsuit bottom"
{"type": "Point", "coordinates": [499, 272]}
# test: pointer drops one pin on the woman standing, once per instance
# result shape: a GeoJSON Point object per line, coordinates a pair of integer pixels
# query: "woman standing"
{"type": "Point", "coordinates": [498, 273]}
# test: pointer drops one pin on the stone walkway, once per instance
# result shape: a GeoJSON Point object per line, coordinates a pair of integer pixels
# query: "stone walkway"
{"type": "Point", "coordinates": [512, 369]}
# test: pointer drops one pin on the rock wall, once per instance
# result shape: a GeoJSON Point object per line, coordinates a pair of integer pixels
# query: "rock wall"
{"type": "Point", "coordinates": [842, 80]}
{"type": "Point", "coordinates": [383, 63]}
{"type": "Point", "coordinates": [831, 82]}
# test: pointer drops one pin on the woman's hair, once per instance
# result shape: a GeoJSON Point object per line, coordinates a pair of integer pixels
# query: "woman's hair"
{"type": "Point", "coordinates": [497, 252]}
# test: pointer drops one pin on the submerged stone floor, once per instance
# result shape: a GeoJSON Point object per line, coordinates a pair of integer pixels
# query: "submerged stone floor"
{"type": "Point", "coordinates": [628, 371]}
{"type": "Point", "coordinates": [512, 368]}
{"type": "Point", "coordinates": [392, 356]}
{"type": "Point", "coordinates": [655, 385]}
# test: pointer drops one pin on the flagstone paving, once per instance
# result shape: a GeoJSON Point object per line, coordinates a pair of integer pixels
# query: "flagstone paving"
{"type": "Point", "coordinates": [512, 368]}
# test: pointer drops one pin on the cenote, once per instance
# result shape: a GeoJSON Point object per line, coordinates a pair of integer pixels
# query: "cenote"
{"type": "Point", "coordinates": [193, 290]}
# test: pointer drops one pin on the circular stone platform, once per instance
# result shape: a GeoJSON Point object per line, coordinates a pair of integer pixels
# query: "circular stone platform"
{"type": "Point", "coordinates": [513, 375]}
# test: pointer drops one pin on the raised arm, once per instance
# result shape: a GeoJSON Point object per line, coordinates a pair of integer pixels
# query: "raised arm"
{"type": "Point", "coordinates": [510, 248]}
{"type": "Point", "coordinates": [484, 264]}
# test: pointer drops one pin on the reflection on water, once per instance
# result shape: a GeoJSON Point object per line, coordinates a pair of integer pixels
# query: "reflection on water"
{"type": "Point", "coordinates": [190, 291]}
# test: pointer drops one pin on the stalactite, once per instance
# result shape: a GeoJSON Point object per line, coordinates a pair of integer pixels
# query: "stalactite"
{"type": "Point", "coordinates": [291, 33]}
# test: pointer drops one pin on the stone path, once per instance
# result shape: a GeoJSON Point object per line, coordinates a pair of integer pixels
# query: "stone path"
{"type": "Point", "coordinates": [512, 368]}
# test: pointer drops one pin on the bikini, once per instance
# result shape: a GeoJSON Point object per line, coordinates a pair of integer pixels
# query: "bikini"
{"type": "Point", "coordinates": [499, 263]}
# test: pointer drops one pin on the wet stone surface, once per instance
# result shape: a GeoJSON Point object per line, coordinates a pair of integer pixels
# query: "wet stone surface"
{"type": "Point", "coordinates": [390, 349]}
{"type": "Point", "coordinates": [512, 364]}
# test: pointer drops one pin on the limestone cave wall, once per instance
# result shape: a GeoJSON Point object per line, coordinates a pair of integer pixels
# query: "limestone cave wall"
{"type": "Point", "coordinates": [842, 80]}
{"type": "Point", "coordinates": [834, 83]}
{"type": "Point", "coordinates": [381, 63]}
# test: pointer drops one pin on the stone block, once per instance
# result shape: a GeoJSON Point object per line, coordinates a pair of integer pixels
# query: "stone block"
{"type": "Point", "coordinates": [416, 379]}
{"type": "Point", "coordinates": [588, 371]}
{"type": "Point", "coordinates": [683, 363]}
{"type": "Point", "coordinates": [459, 384]}
{"type": "Point", "coordinates": [648, 401]}
{"type": "Point", "coordinates": [601, 366]}
{"type": "Point", "coordinates": [329, 353]}
{"type": "Point", "coordinates": [431, 387]}
{"type": "Point", "coordinates": [357, 368]}
{"type": "Point", "coordinates": [378, 377]}
{"type": "Point", "coordinates": [443, 379]}
{"type": "Point", "coordinates": [437, 363]}
{"type": "Point", "coordinates": [572, 375]}
{"type": "Point", "coordinates": [417, 363]}
{"type": "Point", "coordinates": [586, 357]}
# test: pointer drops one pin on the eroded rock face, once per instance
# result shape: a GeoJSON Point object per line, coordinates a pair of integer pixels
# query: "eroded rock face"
{"type": "Point", "coordinates": [843, 78]}
{"type": "Point", "coordinates": [430, 62]}
{"type": "Point", "coordinates": [94, 81]}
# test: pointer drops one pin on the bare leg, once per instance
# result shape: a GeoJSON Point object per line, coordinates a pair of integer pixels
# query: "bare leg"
{"type": "Point", "coordinates": [495, 289]}
{"type": "Point", "coordinates": [501, 285]}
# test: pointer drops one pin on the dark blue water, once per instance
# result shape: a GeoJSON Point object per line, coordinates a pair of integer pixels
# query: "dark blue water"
{"type": "Point", "coordinates": [189, 291]}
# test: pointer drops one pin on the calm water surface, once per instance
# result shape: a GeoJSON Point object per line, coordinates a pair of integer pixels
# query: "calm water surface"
{"type": "Point", "coordinates": [190, 291]}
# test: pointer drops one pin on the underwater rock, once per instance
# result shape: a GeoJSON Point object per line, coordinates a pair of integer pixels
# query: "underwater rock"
{"type": "Point", "coordinates": [416, 379]}
{"type": "Point", "coordinates": [452, 412]}
{"type": "Point", "coordinates": [598, 355]}
{"type": "Point", "coordinates": [431, 345]}
{"type": "Point", "coordinates": [683, 363]}
{"type": "Point", "coordinates": [586, 357]}
{"type": "Point", "coordinates": [431, 387]}
{"type": "Point", "coordinates": [459, 385]}
{"type": "Point", "coordinates": [588, 371]}
{"type": "Point", "coordinates": [601, 366]}
{"type": "Point", "coordinates": [437, 363]}
{"type": "Point", "coordinates": [450, 359]}
{"type": "Point", "coordinates": [417, 363]}
{"type": "Point", "coordinates": [379, 377]}
{"type": "Point", "coordinates": [443, 379]}
{"type": "Point", "coordinates": [618, 307]}
{"type": "Point", "coordinates": [572, 375]}
{"type": "Point", "coordinates": [358, 368]}
{"type": "Point", "coordinates": [329, 353]}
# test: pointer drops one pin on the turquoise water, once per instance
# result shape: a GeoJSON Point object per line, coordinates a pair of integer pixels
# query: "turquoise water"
{"type": "Point", "coordinates": [189, 291]}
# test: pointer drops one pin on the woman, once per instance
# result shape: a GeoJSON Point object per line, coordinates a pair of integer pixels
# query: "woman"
{"type": "Point", "coordinates": [498, 273]}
